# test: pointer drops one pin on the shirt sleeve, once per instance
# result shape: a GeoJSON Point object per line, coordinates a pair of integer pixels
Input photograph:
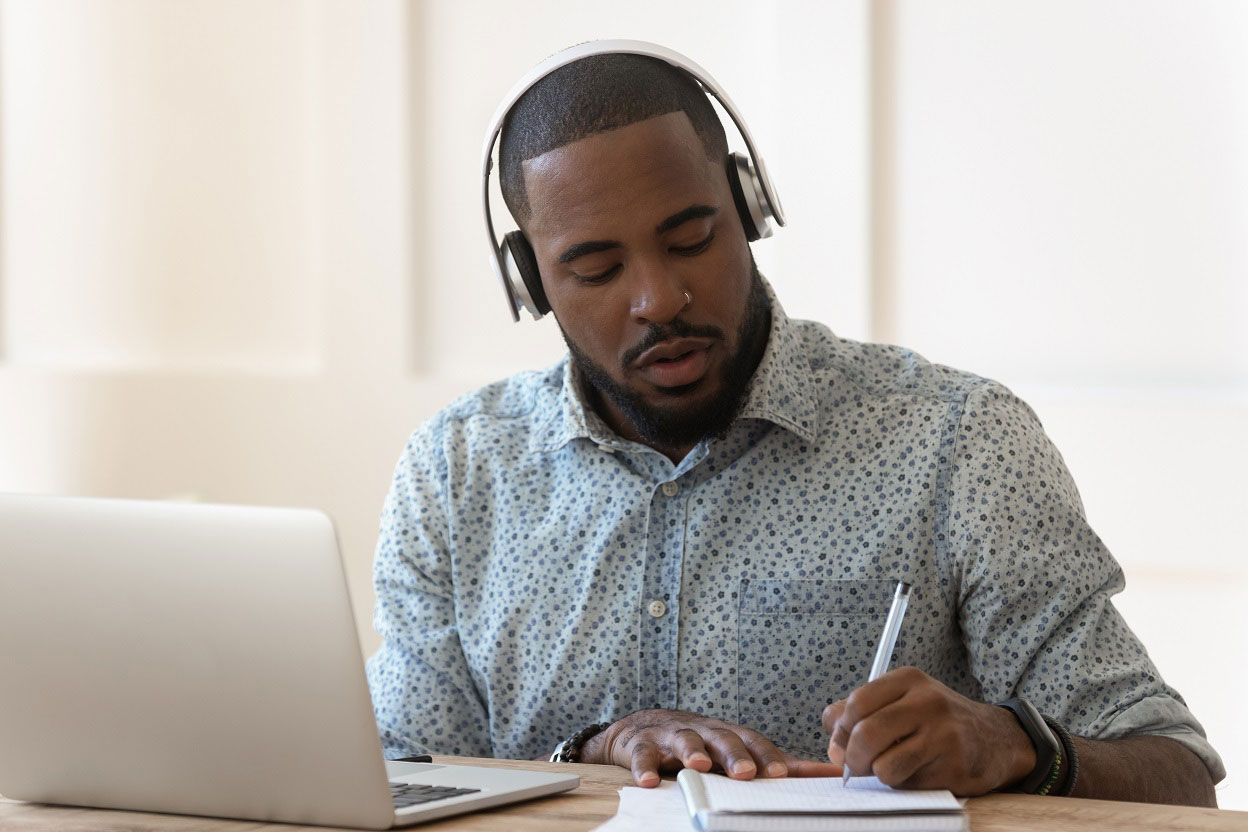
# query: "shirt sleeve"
{"type": "Point", "coordinates": [1036, 583]}
{"type": "Point", "coordinates": [423, 692]}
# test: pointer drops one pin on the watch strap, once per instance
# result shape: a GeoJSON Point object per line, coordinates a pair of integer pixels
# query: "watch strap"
{"type": "Point", "coordinates": [1048, 748]}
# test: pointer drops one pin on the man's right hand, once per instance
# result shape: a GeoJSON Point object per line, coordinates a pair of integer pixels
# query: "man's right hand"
{"type": "Point", "coordinates": [649, 742]}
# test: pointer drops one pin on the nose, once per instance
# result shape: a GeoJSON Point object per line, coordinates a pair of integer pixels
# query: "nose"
{"type": "Point", "coordinates": [658, 295]}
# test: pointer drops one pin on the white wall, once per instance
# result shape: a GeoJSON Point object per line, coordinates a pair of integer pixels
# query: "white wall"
{"type": "Point", "coordinates": [242, 250]}
{"type": "Point", "coordinates": [1066, 210]}
{"type": "Point", "coordinates": [162, 153]}
{"type": "Point", "coordinates": [206, 270]}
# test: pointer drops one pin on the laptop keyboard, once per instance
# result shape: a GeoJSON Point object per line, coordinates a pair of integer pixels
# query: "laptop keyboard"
{"type": "Point", "coordinates": [414, 794]}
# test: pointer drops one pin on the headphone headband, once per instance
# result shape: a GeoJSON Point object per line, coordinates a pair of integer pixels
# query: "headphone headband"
{"type": "Point", "coordinates": [609, 47]}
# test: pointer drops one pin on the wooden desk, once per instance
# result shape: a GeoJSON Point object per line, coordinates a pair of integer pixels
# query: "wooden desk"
{"type": "Point", "coordinates": [596, 800]}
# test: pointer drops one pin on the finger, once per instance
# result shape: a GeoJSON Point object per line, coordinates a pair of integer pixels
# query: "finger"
{"type": "Point", "coordinates": [836, 754]}
{"type": "Point", "coordinates": [645, 763]}
{"type": "Point", "coordinates": [878, 733]}
{"type": "Point", "coordinates": [769, 759]}
{"type": "Point", "coordinates": [688, 747]}
{"type": "Point", "coordinates": [873, 696]}
{"type": "Point", "coordinates": [934, 774]}
{"type": "Point", "coordinates": [896, 765]}
{"type": "Point", "coordinates": [832, 713]}
{"type": "Point", "coordinates": [810, 768]}
{"type": "Point", "coordinates": [730, 752]}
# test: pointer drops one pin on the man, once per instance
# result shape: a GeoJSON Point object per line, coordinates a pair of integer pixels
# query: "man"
{"type": "Point", "coordinates": [676, 546]}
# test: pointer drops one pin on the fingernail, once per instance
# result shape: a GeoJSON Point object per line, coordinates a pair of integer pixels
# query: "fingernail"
{"type": "Point", "coordinates": [742, 766]}
{"type": "Point", "coordinates": [777, 769]}
{"type": "Point", "coordinates": [699, 758]}
{"type": "Point", "coordinates": [648, 778]}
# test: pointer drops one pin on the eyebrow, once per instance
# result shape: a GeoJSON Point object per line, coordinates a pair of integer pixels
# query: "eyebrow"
{"type": "Point", "coordinates": [693, 212]}
{"type": "Point", "coordinates": [590, 247]}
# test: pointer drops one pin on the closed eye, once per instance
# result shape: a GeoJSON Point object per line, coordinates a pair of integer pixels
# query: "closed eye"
{"type": "Point", "coordinates": [695, 249]}
{"type": "Point", "coordinates": [601, 277]}
{"type": "Point", "coordinates": [683, 251]}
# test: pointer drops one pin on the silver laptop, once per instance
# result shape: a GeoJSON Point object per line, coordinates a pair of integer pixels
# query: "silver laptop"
{"type": "Point", "coordinates": [200, 660]}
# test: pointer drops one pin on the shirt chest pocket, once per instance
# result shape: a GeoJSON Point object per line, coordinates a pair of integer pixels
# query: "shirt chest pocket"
{"type": "Point", "coordinates": [800, 645]}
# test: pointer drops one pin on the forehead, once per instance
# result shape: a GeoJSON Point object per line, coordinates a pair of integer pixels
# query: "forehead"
{"type": "Point", "coordinates": [634, 175]}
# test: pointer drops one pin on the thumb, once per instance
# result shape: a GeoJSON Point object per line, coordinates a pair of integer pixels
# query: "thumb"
{"type": "Point", "coordinates": [832, 713]}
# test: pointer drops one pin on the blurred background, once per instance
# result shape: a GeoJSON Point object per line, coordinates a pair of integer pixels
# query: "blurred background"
{"type": "Point", "coordinates": [242, 252]}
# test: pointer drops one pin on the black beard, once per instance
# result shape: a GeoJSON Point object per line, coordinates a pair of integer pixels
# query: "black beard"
{"type": "Point", "coordinates": [676, 427]}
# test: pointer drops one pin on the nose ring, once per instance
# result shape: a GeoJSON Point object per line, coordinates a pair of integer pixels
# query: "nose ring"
{"type": "Point", "coordinates": [688, 298]}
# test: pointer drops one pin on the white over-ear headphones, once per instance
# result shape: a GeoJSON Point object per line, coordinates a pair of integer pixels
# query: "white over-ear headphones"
{"type": "Point", "coordinates": [513, 260]}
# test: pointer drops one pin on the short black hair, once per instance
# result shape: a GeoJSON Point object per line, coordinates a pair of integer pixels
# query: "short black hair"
{"type": "Point", "coordinates": [594, 95]}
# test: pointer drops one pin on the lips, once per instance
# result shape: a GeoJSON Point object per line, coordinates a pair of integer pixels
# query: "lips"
{"type": "Point", "coordinates": [675, 363]}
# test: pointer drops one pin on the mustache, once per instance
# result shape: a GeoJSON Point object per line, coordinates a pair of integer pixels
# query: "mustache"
{"type": "Point", "coordinates": [678, 328]}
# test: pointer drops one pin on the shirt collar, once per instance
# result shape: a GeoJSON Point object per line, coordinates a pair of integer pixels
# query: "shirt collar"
{"type": "Point", "coordinates": [568, 418]}
{"type": "Point", "coordinates": [780, 392]}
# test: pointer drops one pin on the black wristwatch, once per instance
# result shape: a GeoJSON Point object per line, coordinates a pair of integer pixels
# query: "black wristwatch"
{"type": "Point", "coordinates": [1048, 747]}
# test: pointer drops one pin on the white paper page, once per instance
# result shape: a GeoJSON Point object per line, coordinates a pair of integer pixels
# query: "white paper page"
{"type": "Point", "coordinates": [820, 794]}
{"type": "Point", "coordinates": [661, 809]}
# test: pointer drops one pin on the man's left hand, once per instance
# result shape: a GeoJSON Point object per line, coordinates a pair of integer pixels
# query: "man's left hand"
{"type": "Point", "coordinates": [912, 732]}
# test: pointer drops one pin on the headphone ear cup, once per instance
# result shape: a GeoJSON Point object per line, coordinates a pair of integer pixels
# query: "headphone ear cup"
{"type": "Point", "coordinates": [747, 194]}
{"type": "Point", "coordinates": [520, 266]}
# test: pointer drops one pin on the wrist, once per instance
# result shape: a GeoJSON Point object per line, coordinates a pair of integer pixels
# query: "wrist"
{"type": "Point", "coordinates": [597, 749]}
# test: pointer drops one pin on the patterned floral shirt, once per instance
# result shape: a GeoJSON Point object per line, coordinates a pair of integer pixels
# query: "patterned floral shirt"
{"type": "Point", "coordinates": [536, 573]}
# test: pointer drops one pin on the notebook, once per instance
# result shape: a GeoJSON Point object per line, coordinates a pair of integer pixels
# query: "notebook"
{"type": "Point", "coordinates": [814, 804]}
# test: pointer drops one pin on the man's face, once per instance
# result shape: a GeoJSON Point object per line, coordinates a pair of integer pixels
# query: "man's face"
{"type": "Point", "coordinates": [623, 224]}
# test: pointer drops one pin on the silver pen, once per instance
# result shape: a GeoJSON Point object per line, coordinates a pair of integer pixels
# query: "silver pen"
{"type": "Point", "coordinates": [884, 652]}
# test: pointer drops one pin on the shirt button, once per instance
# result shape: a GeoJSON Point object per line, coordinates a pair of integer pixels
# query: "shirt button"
{"type": "Point", "coordinates": [657, 608]}
{"type": "Point", "coordinates": [670, 489]}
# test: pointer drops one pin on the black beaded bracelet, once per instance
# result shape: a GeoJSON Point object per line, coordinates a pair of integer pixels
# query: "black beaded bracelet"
{"type": "Point", "coordinates": [1068, 751]}
{"type": "Point", "coordinates": [1051, 778]}
{"type": "Point", "coordinates": [569, 751]}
